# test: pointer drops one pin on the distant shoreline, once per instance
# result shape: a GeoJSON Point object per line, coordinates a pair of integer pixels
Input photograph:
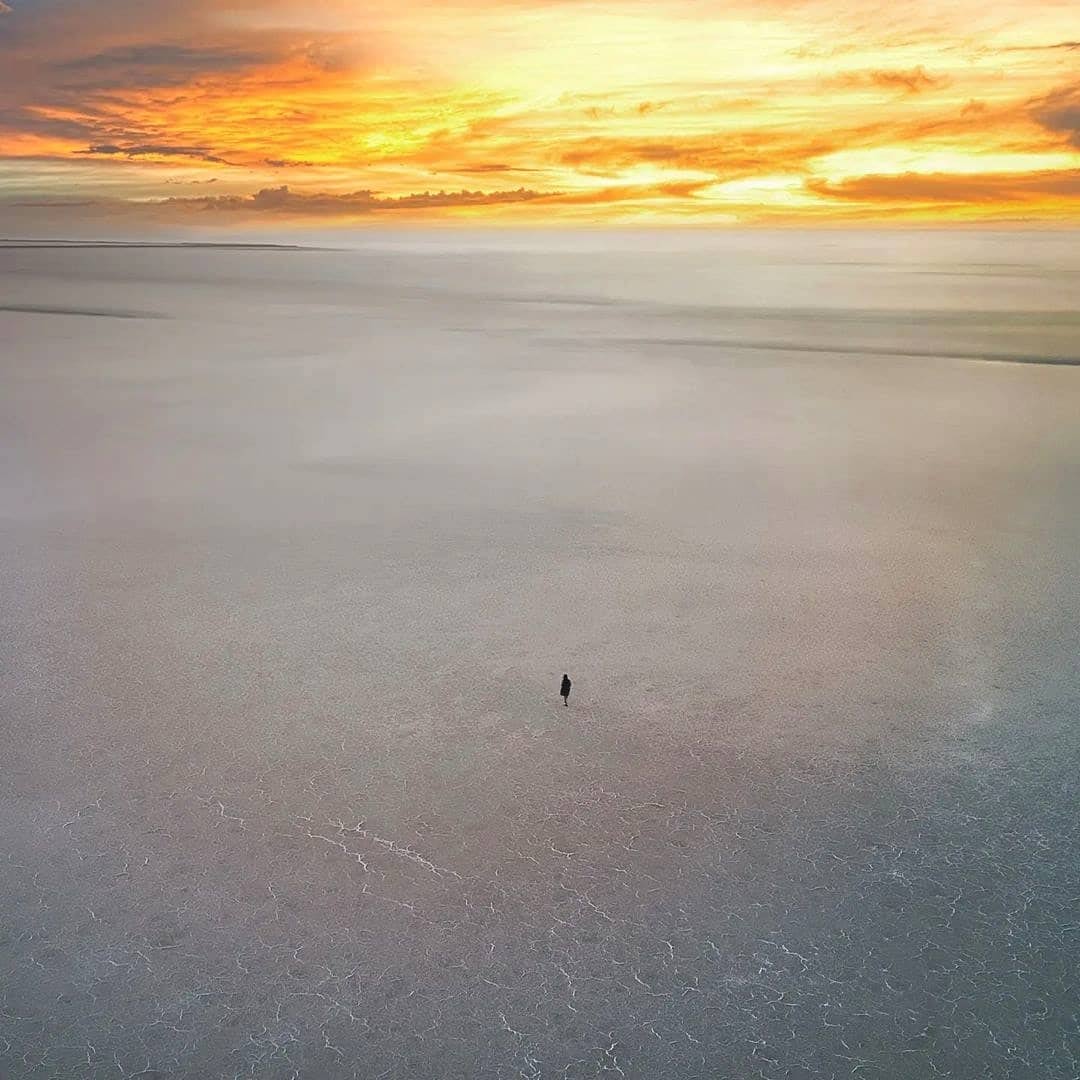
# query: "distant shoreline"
{"type": "Point", "coordinates": [200, 244]}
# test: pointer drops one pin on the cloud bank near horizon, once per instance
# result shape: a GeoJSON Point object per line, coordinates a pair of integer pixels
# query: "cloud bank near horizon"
{"type": "Point", "coordinates": [538, 110]}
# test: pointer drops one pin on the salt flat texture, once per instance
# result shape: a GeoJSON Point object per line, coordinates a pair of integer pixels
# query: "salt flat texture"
{"type": "Point", "coordinates": [295, 547]}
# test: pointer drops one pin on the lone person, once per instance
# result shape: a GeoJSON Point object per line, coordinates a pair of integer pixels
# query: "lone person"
{"type": "Point", "coordinates": [565, 690]}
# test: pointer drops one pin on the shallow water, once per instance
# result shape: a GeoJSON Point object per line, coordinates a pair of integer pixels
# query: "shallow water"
{"type": "Point", "coordinates": [296, 546]}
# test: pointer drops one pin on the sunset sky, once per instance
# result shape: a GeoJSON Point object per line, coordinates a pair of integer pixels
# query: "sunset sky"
{"type": "Point", "coordinates": [240, 113]}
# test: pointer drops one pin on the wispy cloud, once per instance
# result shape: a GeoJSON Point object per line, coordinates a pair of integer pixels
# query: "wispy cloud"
{"type": "Point", "coordinates": [950, 188]}
{"type": "Point", "coordinates": [912, 81]}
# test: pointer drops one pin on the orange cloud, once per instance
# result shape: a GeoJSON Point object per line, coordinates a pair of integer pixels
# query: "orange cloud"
{"type": "Point", "coordinates": [912, 81]}
{"type": "Point", "coordinates": [943, 187]}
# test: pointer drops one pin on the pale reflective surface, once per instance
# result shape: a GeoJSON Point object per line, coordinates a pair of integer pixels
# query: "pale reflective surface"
{"type": "Point", "coordinates": [297, 545]}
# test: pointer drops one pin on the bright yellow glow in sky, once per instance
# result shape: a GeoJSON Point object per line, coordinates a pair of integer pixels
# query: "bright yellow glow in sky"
{"type": "Point", "coordinates": [771, 111]}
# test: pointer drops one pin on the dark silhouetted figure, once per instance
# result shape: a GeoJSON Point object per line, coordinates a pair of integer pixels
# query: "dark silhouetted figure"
{"type": "Point", "coordinates": [565, 690]}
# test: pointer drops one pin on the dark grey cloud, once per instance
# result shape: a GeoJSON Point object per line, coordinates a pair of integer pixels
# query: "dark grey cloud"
{"type": "Point", "coordinates": [135, 150]}
{"type": "Point", "coordinates": [73, 216]}
{"type": "Point", "coordinates": [1060, 112]}
{"type": "Point", "coordinates": [283, 201]}
{"type": "Point", "coordinates": [148, 65]}
{"type": "Point", "coordinates": [176, 58]}
{"type": "Point", "coordinates": [30, 121]}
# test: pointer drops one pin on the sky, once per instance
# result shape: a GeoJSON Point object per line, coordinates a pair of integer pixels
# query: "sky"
{"type": "Point", "coordinates": [258, 113]}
